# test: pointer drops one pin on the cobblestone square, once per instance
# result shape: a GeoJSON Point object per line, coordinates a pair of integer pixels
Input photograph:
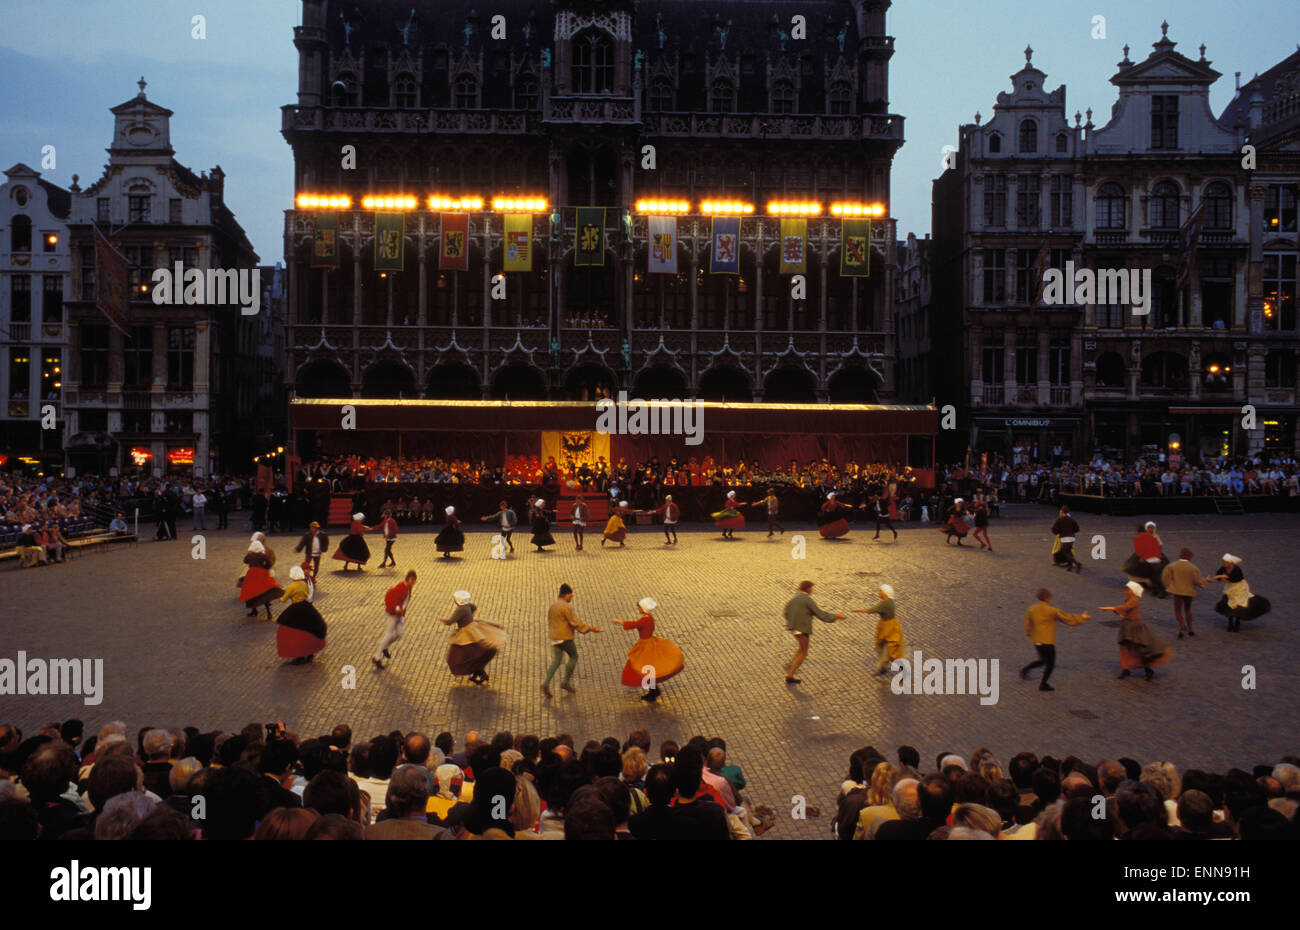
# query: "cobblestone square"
{"type": "Point", "coordinates": [179, 650]}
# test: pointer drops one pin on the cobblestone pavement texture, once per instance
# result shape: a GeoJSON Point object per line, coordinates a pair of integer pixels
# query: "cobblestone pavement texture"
{"type": "Point", "coordinates": [179, 650]}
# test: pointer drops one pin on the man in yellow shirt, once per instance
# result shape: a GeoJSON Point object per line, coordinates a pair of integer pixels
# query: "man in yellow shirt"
{"type": "Point", "coordinates": [561, 621]}
{"type": "Point", "coordinates": [1040, 627]}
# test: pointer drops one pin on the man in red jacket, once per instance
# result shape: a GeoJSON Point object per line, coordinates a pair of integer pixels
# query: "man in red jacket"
{"type": "Point", "coordinates": [395, 603]}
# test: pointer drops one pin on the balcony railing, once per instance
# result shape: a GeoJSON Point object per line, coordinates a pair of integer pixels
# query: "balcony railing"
{"type": "Point", "coordinates": [1161, 236]}
{"type": "Point", "coordinates": [880, 128]}
{"type": "Point", "coordinates": [1059, 396]}
{"type": "Point", "coordinates": [393, 120]}
{"type": "Point", "coordinates": [20, 332]}
{"type": "Point", "coordinates": [582, 109]}
{"type": "Point", "coordinates": [993, 395]}
{"type": "Point", "coordinates": [1026, 394]}
{"type": "Point", "coordinates": [1112, 237]}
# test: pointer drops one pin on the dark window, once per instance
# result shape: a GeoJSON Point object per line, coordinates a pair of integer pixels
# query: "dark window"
{"type": "Point", "coordinates": [20, 298]}
{"type": "Point", "coordinates": [94, 355]}
{"type": "Point", "coordinates": [783, 97]}
{"type": "Point", "coordinates": [1218, 206]}
{"type": "Point", "coordinates": [343, 92]}
{"type": "Point", "coordinates": [1280, 208]}
{"type": "Point", "coordinates": [993, 357]}
{"type": "Point", "coordinates": [661, 95]}
{"type": "Point", "coordinates": [51, 373]}
{"type": "Point", "coordinates": [20, 234]}
{"type": "Point", "coordinates": [174, 210]}
{"type": "Point", "coordinates": [1164, 302]}
{"type": "Point", "coordinates": [1058, 364]}
{"type": "Point", "coordinates": [1026, 356]}
{"type": "Point", "coordinates": [841, 99]}
{"type": "Point", "coordinates": [466, 92]}
{"type": "Point", "coordinates": [1110, 315]}
{"type": "Point", "coordinates": [1111, 372]}
{"type": "Point", "coordinates": [180, 358]}
{"type": "Point", "coordinates": [1025, 275]}
{"type": "Point", "coordinates": [1166, 370]}
{"type": "Point", "coordinates": [137, 357]}
{"type": "Point", "coordinates": [995, 200]}
{"type": "Point", "coordinates": [137, 208]}
{"type": "Point", "coordinates": [1164, 121]}
{"type": "Point", "coordinates": [1279, 368]}
{"type": "Point", "coordinates": [405, 94]}
{"type": "Point", "coordinates": [49, 241]}
{"type": "Point", "coordinates": [103, 210]}
{"type": "Point", "coordinates": [1279, 292]}
{"type": "Point", "coordinates": [722, 97]}
{"type": "Point", "coordinates": [1062, 200]}
{"type": "Point", "coordinates": [1217, 290]}
{"type": "Point", "coordinates": [1028, 136]}
{"type": "Point", "coordinates": [1164, 206]}
{"type": "Point", "coordinates": [1029, 212]}
{"type": "Point", "coordinates": [1111, 207]}
{"type": "Point", "coordinates": [995, 276]}
{"type": "Point", "coordinates": [995, 143]}
{"type": "Point", "coordinates": [1062, 143]}
{"type": "Point", "coordinates": [87, 271]}
{"type": "Point", "coordinates": [593, 62]}
{"type": "Point", "coordinates": [20, 372]}
{"type": "Point", "coordinates": [526, 93]}
{"type": "Point", "coordinates": [52, 299]}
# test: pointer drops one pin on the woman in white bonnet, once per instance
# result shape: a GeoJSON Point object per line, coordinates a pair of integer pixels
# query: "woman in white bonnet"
{"type": "Point", "coordinates": [476, 641]}
{"type": "Point", "coordinates": [1237, 603]}
{"type": "Point", "coordinates": [451, 538]}
{"type": "Point", "coordinates": [541, 526]}
{"type": "Point", "coordinates": [651, 660]}
{"type": "Point", "coordinates": [1138, 646]}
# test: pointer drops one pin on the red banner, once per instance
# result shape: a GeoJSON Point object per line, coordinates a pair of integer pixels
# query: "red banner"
{"type": "Point", "coordinates": [265, 479]}
{"type": "Point", "coordinates": [454, 252]}
{"type": "Point", "coordinates": [110, 281]}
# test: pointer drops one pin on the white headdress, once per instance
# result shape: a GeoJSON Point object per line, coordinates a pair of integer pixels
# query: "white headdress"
{"type": "Point", "coordinates": [449, 511]}
{"type": "Point", "coordinates": [1135, 587]}
{"type": "Point", "coordinates": [731, 494]}
{"type": "Point", "coordinates": [256, 546]}
{"type": "Point", "coordinates": [1231, 559]}
{"type": "Point", "coordinates": [461, 597]}
{"type": "Point", "coordinates": [540, 503]}
{"type": "Point", "coordinates": [297, 574]}
{"type": "Point", "coordinates": [887, 590]}
{"type": "Point", "coordinates": [830, 496]}
{"type": "Point", "coordinates": [622, 503]}
{"type": "Point", "coordinates": [647, 604]}
{"type": "Point", "coordinates": [358, 516]}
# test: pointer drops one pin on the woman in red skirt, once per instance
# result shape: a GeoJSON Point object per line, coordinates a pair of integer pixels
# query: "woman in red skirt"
{"type": "Point", "coordinates": [258, 588]}
{"type": "Point", "coordinates": [729, 518]}
{"type": "Point", "coordinates": [831, 520]}
{"type": "Point", "coordinates": [653, 658]}
{"type": "Point", "coordinates": [1138, 646]}
{"type": "Point", "coordinates": [301, 632]}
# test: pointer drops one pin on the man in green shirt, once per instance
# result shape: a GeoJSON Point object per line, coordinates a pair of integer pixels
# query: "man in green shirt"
{"type": "Point", "coordinates": [798, 620]}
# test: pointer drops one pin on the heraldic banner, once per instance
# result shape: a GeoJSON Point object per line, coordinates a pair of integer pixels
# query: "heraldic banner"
{"type": "Point", "coordinates": [519, 242]}
{"type": "Point", "coordinates": [794, 238]}
{"type": "Point", "coordinates": [590, 246]}
{"type": "Point", "coordinates": [390, 241]}
{"type": "Point", "coordinates": [583, 447]}
{"type": "Point", "coordinates": [855, 248]}
{"type": "Point", "coordinates": [663, 245]}
{"type": "Point", "coordinates": [325, 240]}
{"type": "Point", "coordinates": [454, 254]}
{"type": "Point", "coordinates": [726, 245]}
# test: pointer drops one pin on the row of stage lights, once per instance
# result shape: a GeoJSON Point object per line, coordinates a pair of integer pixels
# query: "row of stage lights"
{"type": "Point", "coordinates": [540, 205]}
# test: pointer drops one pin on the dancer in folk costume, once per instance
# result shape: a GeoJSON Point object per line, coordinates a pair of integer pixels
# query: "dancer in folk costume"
{"type": "Point", "coordinates": [982, 526]}
{"type": "Point", "coordinates": [313, 545]}
{"type": "Point", "coordinates": [541, 526]}
{"type": "Point", "coordinates": [396, 602]}
{"type": "Point", "coordinates": [1138, 646]}
{"type": "Point", "coordinates": [832, 522]}
{"type": "Point", "coordinates": [450, 538]}
{"type": "Point", "coordinates": [1064, 531]}
{"type": "Point", "coordinates": [353, 547]}
{"type": "Point", "coordinates": [955, 524]}
{"type": "Point", "coordinates": [885, 513]}
{"type": "Point", "coordinates": [799, 611]}
{"type": "Point", "coordinates": [504, 518]}
{"type": "Point", "coordinates": [578, 514]}
{"type": "Point", "coordinates": [671, 513]}
{"type": "Point", "coordinates": [301, 628]}
{"type": "Point", "coordinates": [1183, 580]}
{"type": "Point", "coordinates": [388, 527]}
{"type": "Point", "coordinates": [615, 527]}
{"type": "Point", "coordinates": [729, 518]}
{"type": "Point", "coordinates": [1237, 603]}
{"type": "Point", "coordinates": [476, 641]}
{"type": "Point", "coordinates": [309, 576]}
{"type": "Point", "coordinates": [258, 588]}
{"type": "Point", "coordinates": [1147, 563]}
{"type": "Point", "coordinates": [773, 505]}
{"type": "Point", "coordinates": [1040, 626]}
{"type": "Point", "coordinates": [889, 635]}
{"type": "Point", "coordinates": [651, 657]}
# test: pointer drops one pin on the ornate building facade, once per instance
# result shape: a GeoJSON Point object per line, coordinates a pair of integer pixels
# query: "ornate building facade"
{"type": "Point", "coordinates": [1160, 190]}
{"type": "Point", "coordinates": [592, 104]}
{"type": "Point", "coordinates": [33, 279]}
{"type": "Point", "coordinates": [158, 388]}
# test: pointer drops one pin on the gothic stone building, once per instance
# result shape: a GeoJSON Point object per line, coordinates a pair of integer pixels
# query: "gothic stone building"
{"type": "Point", "coordinates": [160, 395]}
{"type": "Point", "coordinates": [559, 102]}
{"type": "Point", "coordinates": [1160, 188]}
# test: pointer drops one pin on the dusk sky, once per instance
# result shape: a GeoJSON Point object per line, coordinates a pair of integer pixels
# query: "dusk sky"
{"type": "Point", "coordinates": [66, 62]}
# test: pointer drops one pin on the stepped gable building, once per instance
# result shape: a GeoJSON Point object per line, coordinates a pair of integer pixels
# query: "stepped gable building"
{"type": "Point", "coordinates": [33, 279]}
{"type": "Point", "coordinates": [562, 109]}
{"type": "Point", "coordinates": [1160, 190]}
{"type": "Point", "coordinates": [157, 387]}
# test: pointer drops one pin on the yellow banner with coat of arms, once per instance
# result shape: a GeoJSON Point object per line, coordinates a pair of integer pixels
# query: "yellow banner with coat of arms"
{"type": "Point", "coordinates": [580, 447]}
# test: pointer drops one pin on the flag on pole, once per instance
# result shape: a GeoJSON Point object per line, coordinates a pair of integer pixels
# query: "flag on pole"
{"type": "Point", "coordinates": [325, 240]}
{"type": "Point", "coordinates": [390, 241]}
{"type": "Point", "coordinates": [855, 248]}
{"type": "Point", "coordinates": [1038, 274]}
{"type": "Point", "coordinates": [519, 242]}
{"type": "Point", "coordinates": [794, 238]}
{"type": "Point", "coordinates": [589, 248]}
{"type": "Point", "coordinates": [110, 281]}
{"type": "Point", "coordinates": [454, 253]}
{"type": "Point", "coordinates": [1187, 239]}
{"type": "Point", "coordinates": [663, 245]}
{"type": "Point", "coordinates": [725, 257]}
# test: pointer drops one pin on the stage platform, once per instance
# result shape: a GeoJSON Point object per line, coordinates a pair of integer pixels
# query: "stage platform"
{"type": "Point", "coordinates": [1181, 503]}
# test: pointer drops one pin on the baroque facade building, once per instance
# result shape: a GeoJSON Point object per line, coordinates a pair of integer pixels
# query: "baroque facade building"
{"type": "Point", "coordinates": [157, 387]}
{"type": "Point", "coordinates": [33, 279]}
{"type": "Point", "coordinates": [1160, 190]}
{"type": "Point", "coordinates": [572, 103]}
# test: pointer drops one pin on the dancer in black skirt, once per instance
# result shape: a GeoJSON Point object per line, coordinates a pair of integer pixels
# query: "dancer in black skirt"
{"type": "Point", "coordinates": [541, 526]}
{"type": "Point", "coordinates": [451, 538]}
{"type": "Point", "coordinates": [353, 548]}
{"type": "Point", "coordinates": [1237, 603]}
{"type": "Point", "coordinates": [472, 647]}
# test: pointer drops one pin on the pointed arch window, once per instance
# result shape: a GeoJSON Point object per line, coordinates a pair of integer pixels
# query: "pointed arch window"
{"type": "Point", "coordinates": [783, 97]}
{"type": "Point", "coordinates": [840, 102]}
{"type": "Point", "coordinates": [1028, 136]}
{"type": "Point", "coordinates": [661, 95]}
{"type": "Point", "coordinates": [343, 92]}
{"type": "Point", "coordinates": [406, 94]}
{"type": "Point", "coordinates": [466, 92]}
{"type": "Point", "coordinates": [722, 96]}
{"type": "Point", "coordinates": [593, 62]}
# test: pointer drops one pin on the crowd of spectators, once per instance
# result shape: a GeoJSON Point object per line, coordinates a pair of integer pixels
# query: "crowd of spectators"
{"type": "Point", "coordinates": [1062, 799]}
{"type": "Point", "coordinates": [268, 783]}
